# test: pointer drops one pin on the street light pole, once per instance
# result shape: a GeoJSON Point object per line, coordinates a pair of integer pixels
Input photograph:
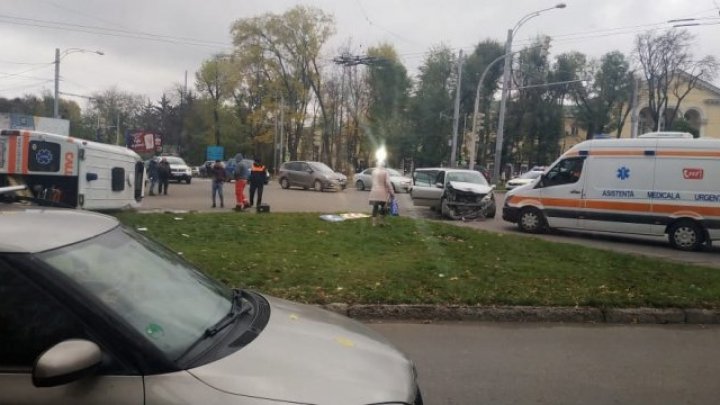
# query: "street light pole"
{"type": "Point", "coordinates": [506, 88]}
{"type": "Point", "coordinates": [476, 110]}
{"type": "Point", "coordinates": [456, 114]}
{"type": "Point", "coordinates": [57, 84]}
{"type": "Point", "coordinates": [58, 56]}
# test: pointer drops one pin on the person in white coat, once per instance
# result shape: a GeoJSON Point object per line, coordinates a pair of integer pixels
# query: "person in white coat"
{"type": "Point", "coordinates": [380, 193]}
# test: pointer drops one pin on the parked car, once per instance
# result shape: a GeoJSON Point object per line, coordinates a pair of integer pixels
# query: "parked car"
{"type": "Point", "coordinates": [363, 180]}
{"type": "Point", "coordinates": [205, 168]}
{"type": "Point", "coordinates": [456, 193]}
{"type": "Point", "coordinates": [308, 174]}
{"type": "Point", "coordinates": [179, 170]}
{"type": "Point", "coordinates": [93, 312]}
{"type": "Point", "coordinates": [523, 179]}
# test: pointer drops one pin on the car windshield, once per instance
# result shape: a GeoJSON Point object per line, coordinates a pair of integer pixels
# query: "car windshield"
{"type": "Point", "coordinates": [467, 177]}
{"type": "Point", "coordinates": [160, 296]}
{"type": "Point", "coordinates": [531, 175]}
{"type": "Point", "coordinates": [321, 167]}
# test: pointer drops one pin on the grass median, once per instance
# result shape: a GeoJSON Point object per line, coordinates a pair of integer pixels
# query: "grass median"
{"type": "Point", "coordinates": [303, 258]}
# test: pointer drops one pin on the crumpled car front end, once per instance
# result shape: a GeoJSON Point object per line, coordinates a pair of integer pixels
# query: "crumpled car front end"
{"type": "Point", "coordinates": [468, 201]}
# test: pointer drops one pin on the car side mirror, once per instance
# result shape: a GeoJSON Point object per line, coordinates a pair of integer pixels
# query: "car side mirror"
{"type": "Point", "coordinates": [439, 185]}
{"type": "Point", "coordinates": [66, 362]}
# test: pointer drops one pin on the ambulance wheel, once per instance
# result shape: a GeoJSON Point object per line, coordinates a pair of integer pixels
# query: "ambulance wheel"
{"type": "Point", "coordinates": [686, 235]}
{"type": "Point", "coordinates": [188, 180]}
{"type": "Point", "coordinates": [284, 183]}
{"type": "Point", "coordinates": [531, 220]}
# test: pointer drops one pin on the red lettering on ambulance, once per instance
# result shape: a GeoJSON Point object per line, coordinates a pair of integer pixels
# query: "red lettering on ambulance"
{"type": "Point", "coordinates": [693, 174]}
{"type": "Point", "coordinates": [69, 163]}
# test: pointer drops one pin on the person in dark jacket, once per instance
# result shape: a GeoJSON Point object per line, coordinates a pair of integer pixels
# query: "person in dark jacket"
{"type": "Point", "coordinates": [153, 175]}
{"type": "Point", "coordinates": [218, 181]}
{"type": "Point", "coordinates": [258, 178]}
{"type": "Point", "coordinates": [163, 176]}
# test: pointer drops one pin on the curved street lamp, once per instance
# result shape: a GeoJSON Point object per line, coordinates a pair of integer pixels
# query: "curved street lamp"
{"type": "Point", "coordinates": [476, 110]}
{"type": "Point", "coordinates": [506, 86]}
{"type": "Point", "coordinates": [59, 55]}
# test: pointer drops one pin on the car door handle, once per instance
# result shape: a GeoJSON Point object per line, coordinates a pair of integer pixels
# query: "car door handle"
{"type": "Point", "coordinates": [575, 191]}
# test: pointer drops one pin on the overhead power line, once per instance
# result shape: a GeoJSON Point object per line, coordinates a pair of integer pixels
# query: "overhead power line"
{"type": "Point", "coordinates": [111, 32]}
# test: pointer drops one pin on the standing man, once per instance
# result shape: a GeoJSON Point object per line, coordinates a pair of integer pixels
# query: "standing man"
{"type": "Point", "coordinates": [242, 172]}
{"type": "Point", "coordinates": [153, 174]}
{"type": "Point", "coordinates": [258, 178]}
{"type": "Point", "coordinates": [217, 174]}
{"type": "Point", "coordinates": [164, 176]}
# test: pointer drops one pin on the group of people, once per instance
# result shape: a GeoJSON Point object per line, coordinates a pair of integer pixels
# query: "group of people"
{"type": "Point", "coordinates": [159, 173]}
{"type": "Point", "coordinates": [256, 175]}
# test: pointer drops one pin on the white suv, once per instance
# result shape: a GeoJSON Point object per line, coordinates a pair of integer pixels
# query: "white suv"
{"type": "Point", "coordinates": [179, 170]}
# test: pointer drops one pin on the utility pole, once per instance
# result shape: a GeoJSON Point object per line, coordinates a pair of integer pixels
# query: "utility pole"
{"type": "Point", "coordinates": [456, 114]}
{"type": "Point", "coordinates": [503, 100]}
{"type": "Point", "coordinates": [117, 128]}
{"type": "Point", "coordinates": [635, 104]}
{"type": "Point", "coordinates": [57, 84]}
{"type": "Point", "coordinates": [282, 129]}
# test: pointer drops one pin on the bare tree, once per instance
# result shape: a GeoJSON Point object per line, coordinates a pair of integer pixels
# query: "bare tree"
{"type": "Point", "coordinates": [669, 68]}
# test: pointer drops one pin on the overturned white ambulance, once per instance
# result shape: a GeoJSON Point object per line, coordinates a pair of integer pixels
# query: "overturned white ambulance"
{"type": "Point", "coordinates": [68, 172]}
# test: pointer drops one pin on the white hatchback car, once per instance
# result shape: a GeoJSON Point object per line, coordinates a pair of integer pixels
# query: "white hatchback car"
{"type": "Point", "coordinates": [94, 313]}
{"type": "Point", "coordinates": [525, 178]}
{"type": "Point", "coordinates": [363, 180]}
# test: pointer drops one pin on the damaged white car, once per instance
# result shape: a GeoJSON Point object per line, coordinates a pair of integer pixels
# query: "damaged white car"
{"type": "Point", "coordinates": [456, 193]}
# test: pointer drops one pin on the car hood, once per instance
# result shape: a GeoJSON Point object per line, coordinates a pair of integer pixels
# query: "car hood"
{"type": "Point", "coordinates": [470, 187]}
{"type": "Point", "coordinates": [312, 356]}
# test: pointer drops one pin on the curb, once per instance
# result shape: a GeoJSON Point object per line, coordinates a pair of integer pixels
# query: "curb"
{"type": "Point", "coordinates": [526, 314]}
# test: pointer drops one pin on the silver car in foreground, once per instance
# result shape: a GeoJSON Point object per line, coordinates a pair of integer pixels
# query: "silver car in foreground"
{"type": "Point", "coordinates": [363, 180]}
{"type": "Point", "coordinates": [94, 313]}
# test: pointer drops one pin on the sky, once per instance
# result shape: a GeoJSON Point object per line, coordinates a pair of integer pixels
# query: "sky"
{"type": "Point", "coordinates": [183, 33]}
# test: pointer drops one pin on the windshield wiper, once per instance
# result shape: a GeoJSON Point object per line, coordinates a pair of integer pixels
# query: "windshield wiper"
{"type": "Point", "coordinates": [236, 310]}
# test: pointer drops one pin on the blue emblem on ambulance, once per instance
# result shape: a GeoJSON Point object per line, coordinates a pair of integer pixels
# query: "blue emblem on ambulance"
{"type": "Point", "coordinates": [44, 157]}
{"type": "Point", "coordinates": [623, 173]}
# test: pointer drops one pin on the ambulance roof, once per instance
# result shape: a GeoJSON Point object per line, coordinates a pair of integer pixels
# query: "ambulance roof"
{"type": "Point", "coordinates": [68, 139]}
{"type": "Point", "coordinates": [648, 143]}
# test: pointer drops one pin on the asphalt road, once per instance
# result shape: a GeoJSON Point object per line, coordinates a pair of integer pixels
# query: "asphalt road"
{"type": "Point", "coordinates": [496, 363]}
{"type": "Point", "coordinates": [196, 196]}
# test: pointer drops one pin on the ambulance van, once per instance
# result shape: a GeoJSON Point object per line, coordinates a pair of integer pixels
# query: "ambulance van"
{"type": "Point", "coordinates": [653, 185]}
{"type": "Point", "coordinates": [63, 171]}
